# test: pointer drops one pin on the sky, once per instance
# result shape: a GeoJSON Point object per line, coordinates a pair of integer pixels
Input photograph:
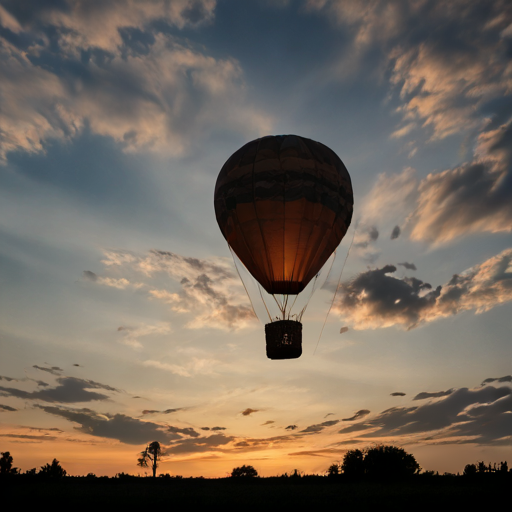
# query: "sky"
{"type": "Point", "coordinates": [122, 316]}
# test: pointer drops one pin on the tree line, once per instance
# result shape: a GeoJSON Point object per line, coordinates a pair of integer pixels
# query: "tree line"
{"type": "Point", "coordinates": [377, 462]}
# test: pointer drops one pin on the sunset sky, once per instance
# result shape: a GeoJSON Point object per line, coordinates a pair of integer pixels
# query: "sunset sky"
{"type": "Point", "coordinates": [122, 317]}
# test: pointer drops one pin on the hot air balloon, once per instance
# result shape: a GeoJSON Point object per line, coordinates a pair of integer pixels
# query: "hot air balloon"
{"type": "Point", "coordinates": [283, 204]}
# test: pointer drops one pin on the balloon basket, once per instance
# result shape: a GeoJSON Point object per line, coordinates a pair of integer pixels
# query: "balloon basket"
{"type": "Point", "coordinates": [284, 339]}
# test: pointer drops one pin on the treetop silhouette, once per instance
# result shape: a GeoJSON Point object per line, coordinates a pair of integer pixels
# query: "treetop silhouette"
{"type": "Point", "coordinates": [244, 472]}
{"type": "Point", "coordinates": [53, 470]}
{"type": "Point", "coordinates": [6, 464]}
{"type": "Point", "coordinates": [378, 462]}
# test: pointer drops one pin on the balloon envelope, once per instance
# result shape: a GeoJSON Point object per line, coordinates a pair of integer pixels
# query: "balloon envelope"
{"type": "Point", "coordinates": [284, 203]}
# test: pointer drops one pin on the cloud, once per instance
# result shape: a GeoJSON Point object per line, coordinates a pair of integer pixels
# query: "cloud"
{"type": "Point", "coordinates": [99, 24]}
{"type": "Point", "coordinates": [366, 236]}
{"type": "Point", "coordinates": [269, 422]}
{"type": "Point", "coordinates": [397, 393]}
{"type": "Point", "coordinates": [291, 427]}
{"type": "Point", "coordinates": [195, 365]}
{"type": "Point", "coordinates": [408, 266]}
{"type": "Point", "coordinates": [378, 299]}
{"type": "Point", "coordinates": [131, 335]}
{"type": "Point", "coordinates": [425, 394]}
{"type": "Point", "coordinates": [507, 378]}
{"type": "Point", "coordinates": [391, 195]}
{"type": "Point", "coordinates": [167, 411]}
{"type": "Point", "coordinates": [344, 330]}
{"type": "Point", "coordinates": [187, 431]}
{"type": "Point", "coordinates": [444, 80]}
{"type": "Point", "coordinates": [113, 426]}
{"type": "Point", "coordinates": [249, 411]}
{"type": "Point", "coordinates": [54, 370]}
{"type": "Point", "coordinates": [70, 389]}
{"type": "Point", "coordinates": [313, 429]}
{"type": "Point", "coordinates": [84, 64]}
{"type": "Point", "coordinates": [198, 445]}
{"type": "Point", "coordinates": [359, 414]}
{"type": "Point", "coordinates": [7, 408]}
{"type": "Point", "coordinates": [30, 437]}
{"type": "Point", "coordinates": [395, 233]}
{"type": "Point", "coordinates": [119, 283]}
{"type": "Point", "coordinates": [254, 444]}
{"type": "Point", "coordinates": [480, 416]}
{"type": "Point", "coordinates": [474, 197]}
{"type": "Point", "coordinates": [458, 82]}
{"type": "Point", "coordinates": [89, 275]}
{"type": "Point", "coordinates": [207, 290]}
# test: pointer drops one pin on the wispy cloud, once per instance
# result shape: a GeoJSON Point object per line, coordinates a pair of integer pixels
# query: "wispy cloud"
{"type": "Point", "coordinates": [359, 414]}
{"type": "Point", "coordinates": [7, 408]}
{"type": "Point", "coordinates": [166, 411]}
{"type": "Point", "coordinates": [313, 429]}
{"type": "Point", "coordinates": [80, 66]}
{"type": "Point", "coordinates": [207, 290]}
{"type": "Point", "coordinates": [216, 442]}
{"type": "Point", "coordinates": [474, 197]}
{"type": "Point", "coordinates": [436, 394]}
{"type": "Point", "coordinates": [480, 416]}
{"type": "Point", "coordinates": [131, 335]}
{"type": "Point", "coordinates": [113, 426]}
{"type": "Point", "coordinates": [249, 411]}
{"type": "Point", "coordinates": [69, 390]}
{"type": "Point", "coordinates": [54, 370]}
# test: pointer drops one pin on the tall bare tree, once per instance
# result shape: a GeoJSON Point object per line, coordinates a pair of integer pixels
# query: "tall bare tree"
{"type": "Point", "coordinates": [150, 456]}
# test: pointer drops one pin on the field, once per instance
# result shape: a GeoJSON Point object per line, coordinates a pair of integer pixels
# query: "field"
{"type": "Point", "coordinates": [253, 493]}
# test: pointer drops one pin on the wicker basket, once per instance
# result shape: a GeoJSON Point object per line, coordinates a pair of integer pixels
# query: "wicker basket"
{"type": "Point", "coordinates": [284, 339]}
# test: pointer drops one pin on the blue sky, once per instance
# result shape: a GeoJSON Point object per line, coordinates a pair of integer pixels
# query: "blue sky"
{"type": "Point", "coordinates": [122, 317]}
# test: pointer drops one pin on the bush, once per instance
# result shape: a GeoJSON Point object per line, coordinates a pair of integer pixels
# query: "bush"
{"type": "Point", "coordinates": [379, 462]}
{"type": "Point", "coordinates": [53, 470]}
{"type": "Point", "coordinates": [244, 471]}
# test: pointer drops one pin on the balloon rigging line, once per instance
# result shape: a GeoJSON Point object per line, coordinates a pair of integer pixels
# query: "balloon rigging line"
{"type": "Point", "coordinates": [245, 287]}
{"type": "Point", "coordinates": [337, 287]}
{"type": "Point", "coordinates": [313, 289]}
{"type": "Point", "coordinates": [264, 303]}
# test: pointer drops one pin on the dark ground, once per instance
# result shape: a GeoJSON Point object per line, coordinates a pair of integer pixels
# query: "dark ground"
{"type": "Point", "coordinates": [257, 493]}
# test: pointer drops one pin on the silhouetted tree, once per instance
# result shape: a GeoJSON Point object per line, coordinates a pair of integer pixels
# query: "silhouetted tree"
{"type": "Point", "coordinates": [6, 464]}
{"type": "Point", "coordinates": [470, 470]}
{"type": "Point", "coordinates": [353, 464]}
{"type": "Point", "coordinates": [334, 470]}
{"type": "Point", "coordinates": [389, 462]}
{"type": "Point", "coordinates": [244, 471]}
{"type": "Point", "coordinates": [53, 470]}
{"type": "Point", "coordinates": [379, 462]}
{"type": "Point", "coordinates": [153, 454]}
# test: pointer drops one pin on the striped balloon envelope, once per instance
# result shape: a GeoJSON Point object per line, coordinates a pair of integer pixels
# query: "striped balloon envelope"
{"type": "Point", "coordinates": [284, 203]}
